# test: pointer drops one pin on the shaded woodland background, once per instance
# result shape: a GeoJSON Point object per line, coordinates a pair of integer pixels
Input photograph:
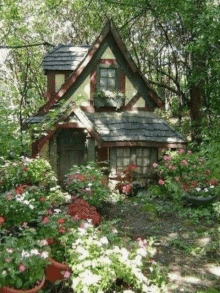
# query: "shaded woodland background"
{"type": "Point", "coordinates": [175, 43]}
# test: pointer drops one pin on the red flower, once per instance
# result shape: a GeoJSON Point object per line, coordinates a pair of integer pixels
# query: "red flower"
{"type": "Point", "coordinates": [194, 184]}
{"type": "Point", "coordinates": [49, 212]}
{"type": "Point", "coordinates": [2, 220]}
{"type": "Point", "coordinates": [20, 188]}
{"type": "Point", "coordinates": [50, 241]}
{"type": "Point", "coordinates": [80, 177]}
{"type": "Point", "coordinates": [214, 182]}
{"type": "Point", "coordinates": [42, 199]}
{"type": "Point", "coordinates": [61, 230]}
{"type": "Point", "coordinates": [185, 187]}
{"type": "Point", "coordinates": [60, 221]}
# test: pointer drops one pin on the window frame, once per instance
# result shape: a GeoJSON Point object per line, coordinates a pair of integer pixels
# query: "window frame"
{"type": "Point", "coordinates": [117, 81]}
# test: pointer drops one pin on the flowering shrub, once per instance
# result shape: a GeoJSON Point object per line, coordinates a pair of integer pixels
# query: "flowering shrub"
{"type": "Point", "coordinates": [97, 265]}
{"type": "Point", "coordinates": [22, 204]}
{"type": "Point", "coordinates": [81, 210]}
{"type": "Point", "coordinates": [125, 179]}
{"type": "Point", "coordinates": [87, 181]}
{"type": "Point", "coordinates": [181, 172]}
{"type": "Point", "coordinates": [29, 171]}
{"type": "Point", "coordinates": [22, 262]}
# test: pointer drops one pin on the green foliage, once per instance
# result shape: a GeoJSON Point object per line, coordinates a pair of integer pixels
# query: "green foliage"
{"type": "Point", "coordinates": [96, 263]}
{"type": "Point", "coordinates": [88, 182]}
{"type": "Point", "coordinates": [28, 171]}
{"type": "Point", "coordinates": [22, 262]}
{"type": "Point", "coordinates": [181, 172]}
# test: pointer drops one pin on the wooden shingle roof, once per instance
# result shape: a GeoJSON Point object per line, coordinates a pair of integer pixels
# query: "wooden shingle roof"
{"type": "Point", "coordinates": [65, 57]}
{"type": "Point", "coordinates": [133, 126]}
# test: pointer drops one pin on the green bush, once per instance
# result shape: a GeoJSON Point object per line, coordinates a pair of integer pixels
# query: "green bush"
{"type": "Point", "coordinates": [184, 172]}
{"type": "Point", "coordinates": [29, 171]}
{"type": "Point", "coordinates": [88, 182]}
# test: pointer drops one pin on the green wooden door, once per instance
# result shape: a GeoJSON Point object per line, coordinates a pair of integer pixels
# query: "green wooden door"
{"type": "Point", "coordinates": [70, 149]}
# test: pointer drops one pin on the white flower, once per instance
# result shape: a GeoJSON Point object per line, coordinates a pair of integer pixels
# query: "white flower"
{"type": "Point", "coordinates": [31, 206]}
{"type": "Point", "coordinates": [57, 211]}
{"type": "Point", "coordinates": [81, 231]}
{"type": "Point", "coordinates": [45, 254]}
{"type": "Point", "coordinates": [84, 253]}
{"type": "Point", "coordinates": [104, 240]}
{"type": "Point", "coordinates": [212, 186]}
{"type": "Point", "coordinates": [114, 230]}
{"type": "Point", "coordinates": [90, 184]}
{"type": "Point", "coordinates": [206, 190]}
{"type": "Point", "coordinates": [142, 252]}
{"type": "Point", "coordinates": [124, 253]}
{"type": "Point", "coordinates": [9, 250]}
{"type": "Point", "coordinates": [34, 252]}
{"type": "Point", "coordinates": [4, 272]}
{"type": "Point", "coordinates": [89, 278]}
{"type": "Point", "coordinates": [25, 254]}
{"type": "Point", "coordinates": [198, 189]}
{"type": "Point", "coordinates": [44, 242]}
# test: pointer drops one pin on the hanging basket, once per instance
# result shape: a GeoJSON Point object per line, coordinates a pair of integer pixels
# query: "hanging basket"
{"type": "Point", "coordinates": [55, 271]}
{"type": "Point", "coordinates": [36, 289]}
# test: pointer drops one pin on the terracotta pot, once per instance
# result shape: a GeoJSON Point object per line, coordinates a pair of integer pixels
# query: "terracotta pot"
{"type": "Point", "coordinates": [13, 290]}
{"type": "Point", "coordinates": [55, 271]}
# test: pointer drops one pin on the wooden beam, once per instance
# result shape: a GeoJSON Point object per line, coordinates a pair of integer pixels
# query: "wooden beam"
{"type": "Point", "coordinates": [88, 125]}
{"type": "Point", "coordinates": [143, 144]}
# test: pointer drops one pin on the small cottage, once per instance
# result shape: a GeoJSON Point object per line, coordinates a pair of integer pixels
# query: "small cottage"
{"type": "Point", "coordinates": [105, 109]}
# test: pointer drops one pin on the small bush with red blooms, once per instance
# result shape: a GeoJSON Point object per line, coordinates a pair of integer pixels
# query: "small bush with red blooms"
{"type": "Point", "coordinates": [125, 179]}
{"type": "Point", "coordinates": [81, 210]}
{"type": "Point", "coordinates": [183, 172]}
{"type": "Point", "coordinates": [88, 182]}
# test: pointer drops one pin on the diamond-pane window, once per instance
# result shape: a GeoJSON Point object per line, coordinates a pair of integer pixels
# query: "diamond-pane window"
{"type": "Point", "coordinates": [107, 79]}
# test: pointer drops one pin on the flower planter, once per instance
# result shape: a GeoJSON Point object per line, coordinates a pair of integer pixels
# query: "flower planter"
{"type": "Point", "coordinates": [56, 270]}
{"type": "Point", "coordinates": [33, 290]}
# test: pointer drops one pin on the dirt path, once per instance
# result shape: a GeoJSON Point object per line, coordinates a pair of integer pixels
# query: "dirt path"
{"type": "Point", "coordinates": [188, 256]}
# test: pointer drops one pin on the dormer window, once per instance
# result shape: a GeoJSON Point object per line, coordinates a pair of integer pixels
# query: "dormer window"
{"type": "Point", "coordinates": [108, 79]}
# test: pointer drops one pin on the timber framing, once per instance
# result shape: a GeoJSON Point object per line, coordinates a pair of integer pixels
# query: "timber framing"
{"type": "Point", "coordinates": [108, 32]}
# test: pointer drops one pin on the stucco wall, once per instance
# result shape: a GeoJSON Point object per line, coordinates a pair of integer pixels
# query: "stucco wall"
{"type": "Point", "coordinates": [82, 94]}
{"type": "Point", "coordinates": [108, 54]}
{"type": "Point", "coordinates": [59, 81]}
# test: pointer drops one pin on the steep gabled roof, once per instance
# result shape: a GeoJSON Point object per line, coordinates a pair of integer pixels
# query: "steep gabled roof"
{"type": "Point", "coordinates": [65, 57]}
{"type": "Point", "coordinates": [109, 29]}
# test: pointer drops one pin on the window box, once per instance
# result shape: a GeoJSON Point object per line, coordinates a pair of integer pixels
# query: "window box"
{"type": "Point", "coordinates": [109, 99]}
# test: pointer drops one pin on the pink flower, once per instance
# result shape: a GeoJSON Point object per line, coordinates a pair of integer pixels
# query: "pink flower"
{"type": "Point", "coordinates": [126, 188]}
{"type": "Point", "coordinates": [184, 162]}
{"type": "Point", "coordinates": [66, 274]}
{"type": "Point", "coordinates": [45, 220]}
{"type": "Point", "coordinates": [9, 197]}
{"type": "Point", "coordinates": [189, 152]}
{"type": "Point", "coordinates": [161, 182]}
{"type": "Point", "coordinates": [155, 165]}
{"type": "Point", "coordinates": [44, 242]}
{"type": "Point", "coordinates": [181, 151]}
{"type": "Point", "coordinates": [22, 268]}
{"type": "Point", "coordinates": [167, 158]}
{"type": "Point", "coordinates": [141, 242]}
{"type": "Point", "coordinates": [172, 168]}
